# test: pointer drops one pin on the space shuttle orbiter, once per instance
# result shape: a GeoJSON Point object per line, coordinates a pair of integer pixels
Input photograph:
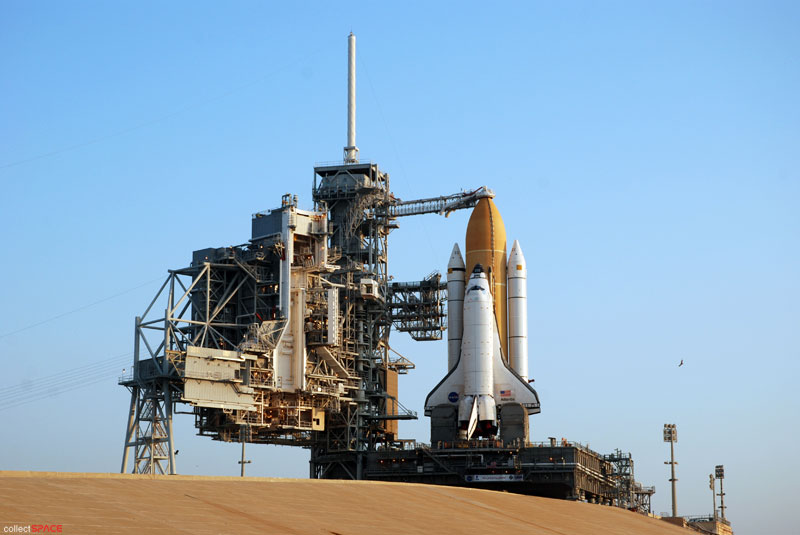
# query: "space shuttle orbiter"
{"type": "Point", "coordinates": [485, 389]}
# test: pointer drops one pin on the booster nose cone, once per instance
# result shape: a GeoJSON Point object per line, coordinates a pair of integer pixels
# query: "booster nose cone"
{"type": "Point", "coordinates": [516, 260]}
{"type": "Point", "coordinates": [456, 262]}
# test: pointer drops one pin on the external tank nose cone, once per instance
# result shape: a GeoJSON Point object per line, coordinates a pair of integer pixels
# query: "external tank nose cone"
{"type": "Point", "coordinates": [486, 234]}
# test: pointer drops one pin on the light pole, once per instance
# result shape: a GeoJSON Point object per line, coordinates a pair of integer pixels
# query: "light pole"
{"type": "Point", "coordinates": [712, 486]}
{"type": "Point", "coordinates": [671, 436]}
{"type": "Point", "coordinates": [720, 472]}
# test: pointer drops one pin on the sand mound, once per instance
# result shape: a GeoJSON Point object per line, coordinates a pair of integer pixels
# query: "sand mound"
{"type": "Point", "coordinates": [115, 503]}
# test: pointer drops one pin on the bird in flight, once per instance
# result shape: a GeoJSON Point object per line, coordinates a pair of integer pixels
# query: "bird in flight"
{"type": "Point", "coordinates": [681, 364]}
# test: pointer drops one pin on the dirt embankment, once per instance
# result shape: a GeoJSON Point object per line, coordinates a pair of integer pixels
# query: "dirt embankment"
{"type": "Point", "coordinates": [115, 503]}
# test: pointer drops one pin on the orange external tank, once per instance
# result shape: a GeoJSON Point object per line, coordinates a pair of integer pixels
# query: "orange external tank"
{"type": "Point", "coordinates": [486, 245]}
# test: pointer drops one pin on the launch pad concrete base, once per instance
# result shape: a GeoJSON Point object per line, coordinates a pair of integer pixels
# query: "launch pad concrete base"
{"type": "Point", "coordinates": [124, 503]}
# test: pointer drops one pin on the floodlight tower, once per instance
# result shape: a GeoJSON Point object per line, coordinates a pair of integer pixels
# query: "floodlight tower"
{"type": "Point", "coordinates": [712, 486]}
{"type": "Point", "coordinates": [671, 436]}
{"type": "Point", "coordinates": [720, 473]}
{"type": "Point", "coordinates": [243, 438]}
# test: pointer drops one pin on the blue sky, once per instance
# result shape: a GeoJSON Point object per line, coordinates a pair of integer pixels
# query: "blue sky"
{"type": "Point", "coordinates": [645, 156]}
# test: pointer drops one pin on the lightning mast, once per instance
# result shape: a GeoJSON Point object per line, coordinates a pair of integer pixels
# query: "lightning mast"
{"type": "Point", "coordinates": [351, 151]}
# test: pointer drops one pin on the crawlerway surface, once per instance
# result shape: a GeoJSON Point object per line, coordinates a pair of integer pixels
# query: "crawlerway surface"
{"type": "Point", "coordinates": [117, 503]}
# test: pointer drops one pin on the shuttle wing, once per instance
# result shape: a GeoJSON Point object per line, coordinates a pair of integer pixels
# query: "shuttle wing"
{"type": "Point", "coordinates": [510, 387]}
{"type": "Point", "coordinates": [448, 390]}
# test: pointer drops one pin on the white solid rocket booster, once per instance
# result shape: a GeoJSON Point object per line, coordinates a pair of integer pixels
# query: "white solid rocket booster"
{"type": "Point", "coordinates": [456, 278]}
{"type": "Point", "coordinates": [517, 276]}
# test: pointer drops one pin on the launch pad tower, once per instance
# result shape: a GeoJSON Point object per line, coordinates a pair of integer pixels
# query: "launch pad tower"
{"type": "Point", "coordinates": [285, 339]}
